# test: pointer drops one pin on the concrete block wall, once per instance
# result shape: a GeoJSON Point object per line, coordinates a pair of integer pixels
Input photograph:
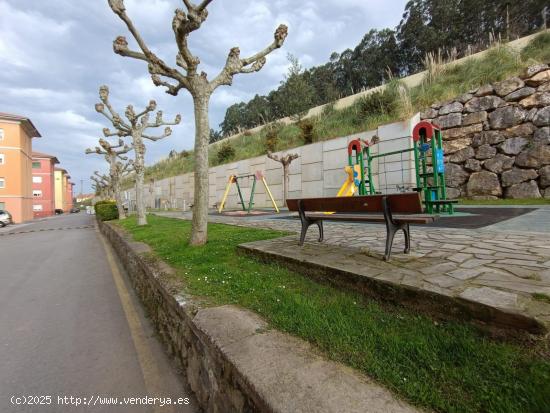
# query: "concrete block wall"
{"type": "Point", "coordinates": [319, 171]}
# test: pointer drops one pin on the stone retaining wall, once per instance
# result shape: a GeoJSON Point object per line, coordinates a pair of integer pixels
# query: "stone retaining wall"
{"type": "Point", "coordinates": [497, 138]}
{"type": "Point", "coordinates": [216, 384]}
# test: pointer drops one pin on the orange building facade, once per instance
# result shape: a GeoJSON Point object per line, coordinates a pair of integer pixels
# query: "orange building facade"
{"type": "Point", "coordinates": [68, 204]}
{"type": "Point", "coordinates": [43, 190]}
{"type": "Point", "coordinates": [16, 193]}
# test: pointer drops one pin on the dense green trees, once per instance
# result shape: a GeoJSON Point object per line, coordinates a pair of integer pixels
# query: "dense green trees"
{"type": "Point", "coordinates": [455, 27]}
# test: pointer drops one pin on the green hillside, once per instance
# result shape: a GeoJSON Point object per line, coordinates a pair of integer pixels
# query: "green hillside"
{"type": "Point", "coordinates": [394, 103]}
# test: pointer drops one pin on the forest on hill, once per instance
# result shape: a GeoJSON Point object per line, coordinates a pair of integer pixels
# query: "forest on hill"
{"type": "Point", "coordinates": [390, 53]}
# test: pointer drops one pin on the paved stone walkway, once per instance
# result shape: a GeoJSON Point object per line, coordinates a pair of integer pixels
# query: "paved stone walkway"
{"type": "Point", "coordinates": [504, 270]}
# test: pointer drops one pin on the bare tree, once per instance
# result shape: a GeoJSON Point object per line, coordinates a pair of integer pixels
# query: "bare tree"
{"type": "Point", "coordinates": [102, 184]}
{"type": "Point", "coordinates": [135, 128]}
{"type": "Point", "coordinates": [285, 161]}
{"type": "Point", "coordinates": [116, 169]}
{"type": "Point", "coordinates": [174, 79]}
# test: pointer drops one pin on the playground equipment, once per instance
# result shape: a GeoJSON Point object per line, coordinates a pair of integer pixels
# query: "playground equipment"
{"type": "Point", "coordinates": [427, 163]}
{"type": "Point", "coordinates": [350, 187]}
{"type": "Point", "coordinates": [430, 179]}
{"type": "Point", "coordinates": [234, 179]}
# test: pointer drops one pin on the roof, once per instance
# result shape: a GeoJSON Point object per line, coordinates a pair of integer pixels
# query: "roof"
{"type": "Point", "coordinates": [40, 155]}
{"type": "Point", "coordinates": [26, 122]}
{"type": "Point", "coordinates": [60, 170]}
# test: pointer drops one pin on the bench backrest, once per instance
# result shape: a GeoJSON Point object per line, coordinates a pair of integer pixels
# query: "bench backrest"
{"type": "Point", "coordinates": [401, 203]}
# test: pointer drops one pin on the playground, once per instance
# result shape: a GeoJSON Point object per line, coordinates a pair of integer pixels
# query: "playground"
{"type": "Point", "coordinates": [459, 261]}
{"type": "Point", "coordinates": [396, 165]}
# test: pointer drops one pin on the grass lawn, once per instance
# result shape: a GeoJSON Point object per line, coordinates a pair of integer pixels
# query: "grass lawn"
{"type": "Point", "coordinates": [448, 367]}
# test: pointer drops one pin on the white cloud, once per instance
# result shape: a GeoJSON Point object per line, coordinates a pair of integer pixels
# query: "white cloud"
{"type": "Point", "coordinates": [71, 120]}
{"type": "Point", "coordinates": [226, 96]}
{"type": "Point", "coordinates": [55, 54]}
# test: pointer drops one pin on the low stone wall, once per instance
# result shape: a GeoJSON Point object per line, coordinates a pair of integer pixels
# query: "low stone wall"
{"type": "Point", "coordinates": [232, 360]}
{"type": "Point", "coordinates": [497, 138]}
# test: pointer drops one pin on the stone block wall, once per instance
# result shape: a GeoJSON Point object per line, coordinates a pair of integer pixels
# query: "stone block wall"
{"type": "Point", "coordinates": [497, 138]}
{"type": "Point", "coordinates": [319, 171]}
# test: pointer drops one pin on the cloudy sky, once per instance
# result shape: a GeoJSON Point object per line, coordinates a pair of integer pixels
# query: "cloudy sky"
{"type": "Point", "coordinates": [55, 54]}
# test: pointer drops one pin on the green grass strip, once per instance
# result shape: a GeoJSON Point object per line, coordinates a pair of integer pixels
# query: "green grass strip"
{"type": "Point", "coordinates": [447, 367]}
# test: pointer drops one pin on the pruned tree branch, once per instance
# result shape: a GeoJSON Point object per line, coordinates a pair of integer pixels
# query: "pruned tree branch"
{"type": "Point", "coordinates": [156, 65]}
{"type": "Point", "coordinates": [183, 24]}
{"type": "Point", "coordinates": [122, 127]}
{"type": "Point", "coordinates": [285, 160]}
{"type": "Point", "coordinates": [167, 132]}
{"type": "Point", "coordinates": [234, 64]}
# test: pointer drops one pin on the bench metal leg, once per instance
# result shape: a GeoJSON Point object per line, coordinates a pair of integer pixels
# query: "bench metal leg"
{"type": "Point", "coordinates": [407, 232]}
{"type": "Point", "coordinates": [390, 234]}
{"type": "Point", "coordinates": [321, 232]}
{"type": "Point", "coordinates": [392, 228]}
{"type": "Point", "coordinates": [306, 224]}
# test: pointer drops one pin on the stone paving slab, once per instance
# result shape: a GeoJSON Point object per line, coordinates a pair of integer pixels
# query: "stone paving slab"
{"type": "Point", "coordinates": [496, 277]}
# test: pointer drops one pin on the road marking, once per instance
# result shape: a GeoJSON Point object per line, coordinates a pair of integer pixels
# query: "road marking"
{"type": "Point", "coordinates": [2, 234]}
{"type": "Point", "coordinates": [149, 369]}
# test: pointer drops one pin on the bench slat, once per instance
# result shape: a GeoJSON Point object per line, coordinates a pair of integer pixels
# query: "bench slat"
{"type": "Point", "coordinates": [410, 219]}
{"type": "Point", "coordinates": [401, 203]}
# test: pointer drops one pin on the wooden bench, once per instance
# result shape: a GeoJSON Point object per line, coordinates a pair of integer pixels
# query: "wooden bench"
{"type": "Point", "coordinates": [397, 211]}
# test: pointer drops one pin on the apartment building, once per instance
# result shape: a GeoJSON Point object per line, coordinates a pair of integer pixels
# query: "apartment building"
{"type": "Point", "coordinates": [43, 189]}
{"type": "Point", "coordinates": [60, 188]}
{"type": "Point", "coordinates": [68, 201]}
{"type": "Point", "coordinates": [16, 134]}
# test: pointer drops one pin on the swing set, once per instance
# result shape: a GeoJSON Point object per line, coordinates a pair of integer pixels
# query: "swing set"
{"type": "Point", "coordinates": [247, 207]}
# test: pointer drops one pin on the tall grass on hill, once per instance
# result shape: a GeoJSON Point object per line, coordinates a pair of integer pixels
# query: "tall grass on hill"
{"type": "Point", "coordinates": [394, 103]}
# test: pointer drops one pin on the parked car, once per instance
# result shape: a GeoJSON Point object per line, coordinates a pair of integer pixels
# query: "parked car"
{"type": "Point", "coordinates": [58, 211]}
{"type": "Point", "coordinates": [5, 218]}
{"type": "Point", "coordinates": [75, 210]}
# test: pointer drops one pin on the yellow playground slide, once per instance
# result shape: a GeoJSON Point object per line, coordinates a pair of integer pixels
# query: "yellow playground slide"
{"type": "Point", "coordinates": [349, 188]}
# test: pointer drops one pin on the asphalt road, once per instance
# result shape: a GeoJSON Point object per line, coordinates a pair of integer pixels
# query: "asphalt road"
{"type": "Point", "coordinates": [70, 325]}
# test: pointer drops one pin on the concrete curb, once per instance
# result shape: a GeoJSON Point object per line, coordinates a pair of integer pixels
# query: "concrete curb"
{"type": "Point", "coordinates": [232, 360]}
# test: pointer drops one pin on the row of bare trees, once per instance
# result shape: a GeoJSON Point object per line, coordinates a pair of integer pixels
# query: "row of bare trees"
{"type": "Point", "coordinates": [185, 74]}
{"type": "Point", "coordinates": [133, 127]}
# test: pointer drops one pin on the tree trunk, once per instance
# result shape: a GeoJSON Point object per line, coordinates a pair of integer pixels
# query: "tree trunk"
{"type": "Point", "coordinates": [286, 182]}
{"type": "Point", "coordinates": [118, 199]}
{"type": "Point", "coordinates": [140, 201]}
{"type": "Point", "coordinates": [115, 182]}
{"type": "Point", "coordinates": [140, 178]}
{"type": "Point", "coordinates": [199, 234]}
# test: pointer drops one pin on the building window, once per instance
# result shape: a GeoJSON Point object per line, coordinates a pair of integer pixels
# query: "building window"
{"type": "Point", "coordinates": [37, 193]}
{"type": "Point", "coordinates": [1, 134]}
{"type": "Point", "coordinates": [37, 208]}
{"type": "Point", "coordinates": [2, 206]}
{"type": "Point", "coordinates": [36, 179]}
{"type": "Point", "coordinates": [36, 165]}
{"type": "Point", "coordinates": [2, 159]}
{"type": "Point", "coordinates": [2, 182]}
